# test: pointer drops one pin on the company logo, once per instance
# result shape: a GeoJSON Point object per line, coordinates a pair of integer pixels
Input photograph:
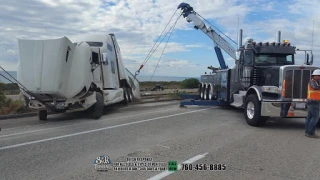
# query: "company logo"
{"type": "Point", "coordinates": [102, 163]}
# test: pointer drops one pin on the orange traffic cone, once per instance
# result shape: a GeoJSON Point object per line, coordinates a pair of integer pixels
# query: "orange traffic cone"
{"type": "Point", "coordinates": [291, 111]}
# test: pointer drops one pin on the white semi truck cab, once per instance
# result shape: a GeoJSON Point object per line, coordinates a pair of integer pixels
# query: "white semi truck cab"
{"type": "Point", "coordinates": [58, 75]}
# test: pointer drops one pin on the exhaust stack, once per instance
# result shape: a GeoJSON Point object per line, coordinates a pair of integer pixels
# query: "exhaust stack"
{"type": "Point", "coordinates": [240, 38]}
{"type": "Point", "coordinates": [279, 37]}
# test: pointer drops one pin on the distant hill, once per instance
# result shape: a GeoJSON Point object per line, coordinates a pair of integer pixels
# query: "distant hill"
{"type": "Point", "coordinates": [140, 78]}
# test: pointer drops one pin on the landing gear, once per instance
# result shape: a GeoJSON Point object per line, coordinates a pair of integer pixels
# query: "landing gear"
{"type": "Point", "coordinates": [42, 115]}
{"type": "Point", "coordinates": [252, 111]}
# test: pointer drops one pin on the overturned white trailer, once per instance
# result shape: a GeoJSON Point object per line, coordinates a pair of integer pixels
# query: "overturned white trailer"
{"type": "Point", "coordinates": [60, 76]}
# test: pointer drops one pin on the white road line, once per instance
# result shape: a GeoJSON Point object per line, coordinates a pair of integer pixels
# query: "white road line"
{"type": "Point", "coordinates": [6, 129]}
{"type": "Point", "coordinates": [167, 173]}
{"type": "Point", "coordinates": [7, 135]}
{"type": "Point", "coordinates": [96, 130]}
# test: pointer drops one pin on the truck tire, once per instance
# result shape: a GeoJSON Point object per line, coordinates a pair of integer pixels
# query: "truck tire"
{"type": "Point", "coordinates": [203, 91]}
{"type": "Point", "coordinates": [125, 96]}
{"type": "Point", "coordinates": [200, 91]}
{"type": "Point", "coordinates": [252, 111]}
{"type": "Point", "coordinates": [318, 124]}
{"type": "Point", "coordinates": [42, 115]}
{"type": "Point", "coordinates": [130, 95]}
{"type": "Point", "coordinates": [97, 108]}
{"type": "Point", "coordinates": [208, 94]}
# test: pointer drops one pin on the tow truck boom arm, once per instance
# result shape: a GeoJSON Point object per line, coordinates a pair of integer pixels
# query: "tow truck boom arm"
{"type": "Point", "coordinates": [191, 16]}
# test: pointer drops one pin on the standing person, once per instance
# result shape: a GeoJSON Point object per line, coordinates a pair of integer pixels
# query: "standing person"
{"type": "Point", "coordinates": [313, 105]}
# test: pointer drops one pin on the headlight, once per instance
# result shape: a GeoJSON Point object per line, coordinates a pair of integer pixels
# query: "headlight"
{"type": "Point", "coordinates": [270, 89]}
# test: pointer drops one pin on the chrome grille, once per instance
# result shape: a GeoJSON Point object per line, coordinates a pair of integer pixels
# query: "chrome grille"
{"type": "Point", "coordinates": [297, 83]}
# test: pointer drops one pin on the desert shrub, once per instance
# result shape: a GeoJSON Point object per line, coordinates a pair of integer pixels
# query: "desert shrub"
{"type": "Point", "coordinates": [190, 83]}
{"type": "Point", "coordinates": [9, 106]}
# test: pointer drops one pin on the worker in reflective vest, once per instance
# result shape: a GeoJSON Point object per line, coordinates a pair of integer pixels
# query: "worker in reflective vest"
{"type": "Point", "coordinates": [313, 105]}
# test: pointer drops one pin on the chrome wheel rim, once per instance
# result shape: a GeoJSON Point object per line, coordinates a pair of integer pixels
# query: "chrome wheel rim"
{"type": "Point", "coordinates": [250, 110]}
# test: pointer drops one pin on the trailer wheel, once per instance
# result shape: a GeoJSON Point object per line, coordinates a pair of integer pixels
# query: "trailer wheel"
{"type": "Point", "coordinates": [42, 115]}
{"type": "Point", "coordinates": [97, 108]}
{"type": "Point", "coordinates": [252, 111]}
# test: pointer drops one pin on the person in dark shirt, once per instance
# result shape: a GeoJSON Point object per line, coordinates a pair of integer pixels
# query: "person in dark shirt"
{"type": "Point", "coordinates": [313, 105]}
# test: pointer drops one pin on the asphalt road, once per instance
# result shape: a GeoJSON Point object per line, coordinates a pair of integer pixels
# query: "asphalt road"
{"type": "Point", "coordinates": [65, 146]}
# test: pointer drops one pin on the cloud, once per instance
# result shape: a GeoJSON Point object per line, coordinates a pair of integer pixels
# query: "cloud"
{"type": "Point", "coordinates": [137, 24]}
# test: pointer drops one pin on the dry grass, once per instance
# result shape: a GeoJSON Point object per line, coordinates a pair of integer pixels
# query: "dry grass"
{"type": "Point", "coordinates": [10, 106]}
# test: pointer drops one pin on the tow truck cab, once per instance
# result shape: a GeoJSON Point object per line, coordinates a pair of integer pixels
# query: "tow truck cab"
{"type": "Point", "coordinates": [268, 71]}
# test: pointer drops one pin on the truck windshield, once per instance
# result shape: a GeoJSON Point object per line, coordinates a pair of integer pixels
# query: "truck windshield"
{"type": "Point", "coordinates": [283, 59]}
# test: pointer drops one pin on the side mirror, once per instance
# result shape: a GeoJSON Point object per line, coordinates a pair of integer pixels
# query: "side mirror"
{"type": "Point", "coordinates": [105, 58]}
{"type": "Point", "coordinates": [307, 59]}
{"type": "Point", "coordinates": [311, 59]}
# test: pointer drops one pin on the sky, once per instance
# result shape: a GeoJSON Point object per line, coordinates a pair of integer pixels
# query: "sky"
{"type": "Point", "coordinates": [137, 25]}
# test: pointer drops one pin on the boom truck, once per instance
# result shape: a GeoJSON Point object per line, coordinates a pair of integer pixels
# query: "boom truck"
{"type": "Point", "coordinates": [57, 75]}
{"type": "Point", "coordinates": [265, 80]}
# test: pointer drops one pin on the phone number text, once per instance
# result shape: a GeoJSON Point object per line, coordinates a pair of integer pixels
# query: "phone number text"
{"type": "Point", "coordinates": [203, 167]}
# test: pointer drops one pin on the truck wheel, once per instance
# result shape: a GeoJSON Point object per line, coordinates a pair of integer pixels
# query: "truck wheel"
{"type": "Point", "coordinates": [209, 96]}
{"type": "Point", "coordinates": [125, 96]}
{"type": "Point", "coordinates": [97, 108]}
{"type": "Point", "coordinates": [130, 95]}
{"type": "Point", "coordinates": [252, 111]}
{"type": "Point", "coordinates": [200, 91]}
{"type": "Point", "coordinates": [42, 115]}
{"type": "Point", "coordinates": [203, 92]}
{"type": "Point", "coordinates": [318, 124]}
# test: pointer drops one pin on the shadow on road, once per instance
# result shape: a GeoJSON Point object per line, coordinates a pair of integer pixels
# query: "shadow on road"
{"type": "Point", "coordinates": [285, 124]}
{"type": "Point", "coordinates": [81, 114]}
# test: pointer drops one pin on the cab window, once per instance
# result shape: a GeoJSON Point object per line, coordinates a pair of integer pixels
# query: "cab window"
{"type": "Point", "coordinates": [248, 56]}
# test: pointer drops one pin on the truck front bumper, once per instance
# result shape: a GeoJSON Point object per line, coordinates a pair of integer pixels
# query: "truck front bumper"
{"type": "Point", "coordinates": [284, 109]}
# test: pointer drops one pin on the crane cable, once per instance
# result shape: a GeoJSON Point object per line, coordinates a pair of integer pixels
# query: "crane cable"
{"type": "Point", "coordinates": [216, 28]}
{"type": "Point", "coordinates": [12, 78]}
{"type": "Point", "coordinates": [11, 81]}
{"type": "Point", "coordinates": [171, 30]}
{"type": "Point", "coordinates": [23, 88]}
{"type": "Point", "coordinates": [151, 50]}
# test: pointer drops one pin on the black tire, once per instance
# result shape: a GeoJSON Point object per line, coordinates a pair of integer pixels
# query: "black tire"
{"type": "Point", "coordinates": [125, 96]}
{"type": "Point", "coordinates": [203, 91]}
{"type": "Point", "coordinates": [208, 93]}
{"type": "Point", "coordinates": [42, 115]}
{"type": "Point", "coordinates": [200, 90]}
{"type": "Point", "coordinates": [318, 124]}
{"type": "Point", "coordinates": [130, 95]}
{"type": "Point", "coordinates": [256, 120]}
{"type": "Point", "coordinates": [97, 108]}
